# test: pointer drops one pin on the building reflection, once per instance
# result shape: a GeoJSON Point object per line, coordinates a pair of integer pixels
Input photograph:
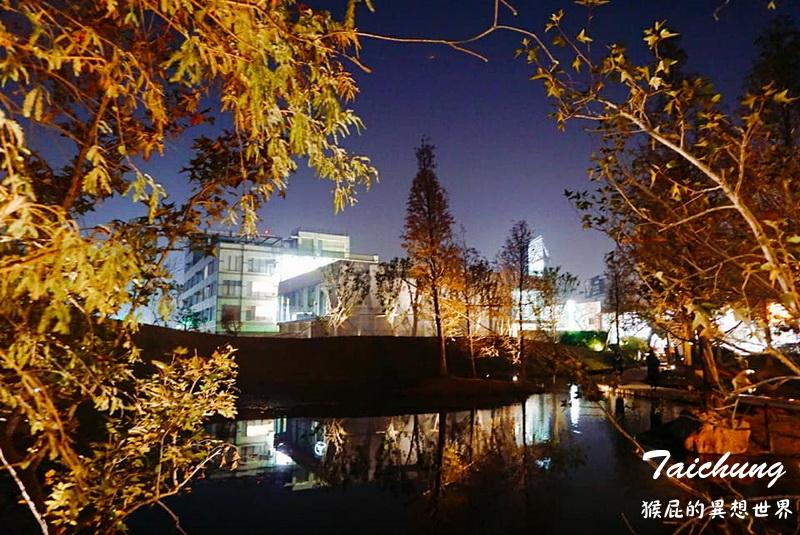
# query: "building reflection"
{"type": "Point", "coordinates": [304, 453]}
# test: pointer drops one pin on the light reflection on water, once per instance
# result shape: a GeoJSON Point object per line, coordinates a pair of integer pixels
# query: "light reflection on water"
{"type": "Point", "coordinates": [553, 464]}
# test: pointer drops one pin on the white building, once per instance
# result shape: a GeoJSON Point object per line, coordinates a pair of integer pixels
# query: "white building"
{"type": "Point", "coordinates": [307, 298]}
{"type": "Point", "coordinates": [231, 282]}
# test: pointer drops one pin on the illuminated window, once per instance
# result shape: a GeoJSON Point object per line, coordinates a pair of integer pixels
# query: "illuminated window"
{"type": "Point", "coordinates": [261, 289]}
{"type": "Point", "coordinates": [257, 313]}
{"type": "Point", "coordinates": [232, 262]}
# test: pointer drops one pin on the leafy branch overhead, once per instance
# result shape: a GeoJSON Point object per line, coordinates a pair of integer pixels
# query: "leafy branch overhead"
{"type": "Point", "coordinates": [701, 198]}
{"type": "Point", "coordinates": [112, 82]}
{"type": "Point", "coordinates": [119, 79]}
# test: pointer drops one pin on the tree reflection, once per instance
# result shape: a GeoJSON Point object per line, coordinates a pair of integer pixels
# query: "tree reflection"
{"type": "Point", "coordinates": [462, 464]}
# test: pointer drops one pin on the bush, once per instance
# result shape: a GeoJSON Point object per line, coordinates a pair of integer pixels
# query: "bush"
{"type": "Point", "coordinates": [594, 340]}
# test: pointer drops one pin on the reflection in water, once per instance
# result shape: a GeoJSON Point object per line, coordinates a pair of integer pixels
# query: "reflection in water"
{"type": "Point", "coordinates": [553, 464]}
{"type": "Point", "coordinates": [574, 406]}
{"type": "Point", "coordinates": [356, 450]}
{"type": "Point", "coordinates": [478, 471]}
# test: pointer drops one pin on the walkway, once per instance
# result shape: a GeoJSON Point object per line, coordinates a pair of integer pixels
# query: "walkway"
{"type": "Point", "coordinates": [633, 383]}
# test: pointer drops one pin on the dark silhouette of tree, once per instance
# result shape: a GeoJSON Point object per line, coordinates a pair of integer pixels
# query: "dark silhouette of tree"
{"type": "Point", "coordinates": [550, 291]}
{"type": "Point", "coordinates": [778, 66]}
{"type": "Point", "coordinates": [428, 236]}
{"type": "Point", "coordinates": [622, 292]}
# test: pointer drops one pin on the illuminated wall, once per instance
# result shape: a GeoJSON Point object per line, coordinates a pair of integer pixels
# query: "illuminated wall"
{"type": "Point", "coordinates": [235, 289]}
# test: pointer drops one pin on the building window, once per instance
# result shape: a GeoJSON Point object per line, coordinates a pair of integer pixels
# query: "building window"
{"type": "Point", "coordinates": [261, 265]}
{"type": "Point", "coordinates": [229, 288]}
{"type": "Point", "coordinates": [231, 313]}
{"type": "Point", "coordinates": [280, 425]}
{"type": "Point", "coordinates": [232, 262]}
{"type": "Point", "coordinates": [260, 289]}
{"type": "Point", "coordinates": [257, 313]}
{"type": "Point", "coordinates": [262, 313]}
{"type": "Point", "coordinates": [208, 270]}
{"type": "Point", "coordinates": [207, 314]}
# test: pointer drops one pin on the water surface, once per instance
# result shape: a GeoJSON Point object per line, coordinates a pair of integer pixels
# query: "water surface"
{"type": "Point", "coordinates": [553, 464]}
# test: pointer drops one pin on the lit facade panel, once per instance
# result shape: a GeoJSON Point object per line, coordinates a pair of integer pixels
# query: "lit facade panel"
{"type": "Point", "coordinates": [538, 257]}
{"type": "Point", "coordinates": [231, 286]}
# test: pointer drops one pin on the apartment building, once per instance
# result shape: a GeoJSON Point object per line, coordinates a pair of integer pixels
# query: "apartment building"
{"type": "Point", "coordinates": [231, 282]}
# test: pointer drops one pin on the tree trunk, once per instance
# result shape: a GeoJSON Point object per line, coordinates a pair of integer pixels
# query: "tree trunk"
{"type": "Point", "coordinates": [523, 375]}
{"type": "Point", "coordinates": [439, 475]}
{"type": "Point", "coordinates": [687, 347]}
{"type": "Point", "coordinates": [439, 335]}
{"type": "Point", "coordinates": [710, 372]}
{"type": "Point", "coordinates": [471, 348]}
{"type": "Point", "coordinates": [414, 318]}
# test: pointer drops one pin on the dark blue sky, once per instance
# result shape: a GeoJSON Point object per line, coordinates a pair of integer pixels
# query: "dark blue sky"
{"type": "Point", "coordinates": [499, 155]}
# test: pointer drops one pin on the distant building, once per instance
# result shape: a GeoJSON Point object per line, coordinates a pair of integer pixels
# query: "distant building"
{"type": "Point", "coordinates": [538, 256]}
{"type": "Point", "coordinates": [231, 282]}
{"type": "Point", "coordinates": [596, 287]}
{"type": "Point", "coordinates": [572, 313]}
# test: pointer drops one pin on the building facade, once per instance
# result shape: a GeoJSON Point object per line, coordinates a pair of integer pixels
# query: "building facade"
{"type": "Point", "coordinates": [231, 282]}
{"type": "Point", "coordinates": [309, 298]}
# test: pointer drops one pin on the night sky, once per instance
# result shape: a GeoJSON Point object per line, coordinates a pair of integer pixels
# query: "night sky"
{"type": "Point", "coordinates": [500, 157]}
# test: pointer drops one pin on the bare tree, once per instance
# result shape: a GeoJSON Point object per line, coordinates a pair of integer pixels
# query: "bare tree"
{"type": "Point", "coordinates": [347, 286]}
{"type": "Point", "coordinates": [514, 262]}
{"type": "Point", "coordinates": [391, 279]}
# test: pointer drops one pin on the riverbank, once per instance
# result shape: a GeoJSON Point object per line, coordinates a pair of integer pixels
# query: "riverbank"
{"type": "Point", "coordinates": [350, 375]}
{"type": "Point", "coordinates": [772, 422]}
{"type": "Point", "coordinates": [338, 399]}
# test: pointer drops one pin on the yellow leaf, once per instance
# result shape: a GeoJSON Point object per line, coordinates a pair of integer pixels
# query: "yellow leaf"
{"type": "Point", "coordinates": [666, 34]}
{"type": "Point", "coordinates": [783, 97]}
{"type": "Point", "coordinates": [30, 102]}
{"type": "Point", "coordinates": [583, 38]}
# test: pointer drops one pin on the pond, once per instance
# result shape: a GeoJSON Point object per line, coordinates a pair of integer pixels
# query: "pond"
{"type": "Point", "coordinates": [553, 464]}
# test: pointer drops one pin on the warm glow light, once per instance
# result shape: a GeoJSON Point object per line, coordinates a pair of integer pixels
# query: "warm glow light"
{"type": "Point", "coordinates": [778, 313]}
